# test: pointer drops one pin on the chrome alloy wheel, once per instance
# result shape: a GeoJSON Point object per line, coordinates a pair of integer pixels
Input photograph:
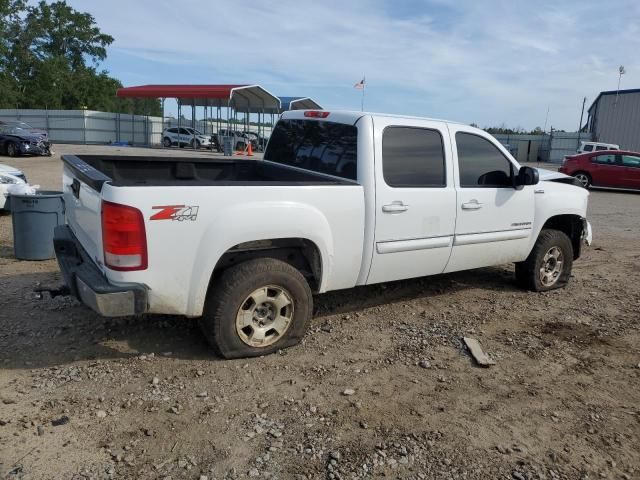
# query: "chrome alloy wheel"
{"type": "Point", "coordinates": [583, 179]}
{"type": "Point", "coordinates": [264, 316]}
{"type": "Point", "coordinates": [551, 268]}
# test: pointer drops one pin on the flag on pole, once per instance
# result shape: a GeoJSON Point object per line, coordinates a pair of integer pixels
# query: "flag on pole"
{"type": "Point", "coordinates": [360, 84]}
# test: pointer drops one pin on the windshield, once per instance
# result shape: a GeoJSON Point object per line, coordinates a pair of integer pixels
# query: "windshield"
{"type": "Point", "coordinates": [14, 131]}
{"type": "Point", "coordinates": [324, 147]}
{"type": "Point", "coordinates": [194, 132]}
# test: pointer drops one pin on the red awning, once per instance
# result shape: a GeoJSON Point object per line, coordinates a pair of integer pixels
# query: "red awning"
{"type": "Point", "coordinates": [252, 98]}
{"type": "Point", "coordinates": [178, 91]}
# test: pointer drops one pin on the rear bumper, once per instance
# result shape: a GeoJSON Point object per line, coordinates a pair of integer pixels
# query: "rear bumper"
{"type": "Point", "coordinates": [87, 283]}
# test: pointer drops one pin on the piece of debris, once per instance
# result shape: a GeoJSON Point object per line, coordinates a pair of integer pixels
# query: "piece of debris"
{"type": "Point", "coordinates": [348, 392]}
{"type": "Point", "coordinates": [60, 421]}
{"type": "Point", "coordinates": [478, 354]}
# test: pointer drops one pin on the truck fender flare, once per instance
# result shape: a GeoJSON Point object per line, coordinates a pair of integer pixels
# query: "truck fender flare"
{"type": "Point", "coordinates": [264, 221]}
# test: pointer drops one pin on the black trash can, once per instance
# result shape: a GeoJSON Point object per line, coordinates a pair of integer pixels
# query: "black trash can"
{"type": "Point", "coordinates": [34, 217]}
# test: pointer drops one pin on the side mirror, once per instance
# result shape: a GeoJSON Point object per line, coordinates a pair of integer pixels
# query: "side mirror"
{"type": "Point", "coordinates": [526, 176]}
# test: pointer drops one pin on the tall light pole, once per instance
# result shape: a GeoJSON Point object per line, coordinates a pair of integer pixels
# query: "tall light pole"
{"type": "Point", "coordinates": [621, 71]}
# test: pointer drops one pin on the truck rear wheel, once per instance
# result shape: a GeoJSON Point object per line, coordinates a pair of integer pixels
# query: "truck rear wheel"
{"type": "Point", "coordinates": [256, 308]}
{"type": "Point", "coordinates": [548, 266]}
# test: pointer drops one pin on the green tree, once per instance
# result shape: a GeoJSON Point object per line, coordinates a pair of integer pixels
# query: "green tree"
{"type": "Point", "coordinates": [9, 19]}
{"type": "Point", "coordinates": [49, 58]}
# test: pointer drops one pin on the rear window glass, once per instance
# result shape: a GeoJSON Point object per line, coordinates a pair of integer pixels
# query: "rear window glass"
{"type": "Point", "coordinates": [325, 147]}
{"type": "Point", "coordinates": [412, 157]}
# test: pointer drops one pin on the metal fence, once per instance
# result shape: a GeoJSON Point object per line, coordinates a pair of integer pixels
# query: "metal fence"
{"type": "Point", "coordinates": [93, 127]}
{"type": "Point", "coordinates": [565, 143]}
{"type": "Point", "coordinates": [526, 148]}
{"type": "Point", "coordinates": [543, 148]}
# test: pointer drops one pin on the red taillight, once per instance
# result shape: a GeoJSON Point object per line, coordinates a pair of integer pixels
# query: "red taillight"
{"type": "Point", "coordinates": [124, 239]}
{"type": "Point", "coordinates": [316, 114]}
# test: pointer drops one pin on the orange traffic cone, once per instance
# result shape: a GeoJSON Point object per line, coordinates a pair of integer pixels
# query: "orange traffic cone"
{"type": "Point", "coordinates": [249, 150]}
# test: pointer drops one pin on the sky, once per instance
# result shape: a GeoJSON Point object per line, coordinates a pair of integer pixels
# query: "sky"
{"type": "Point", "coordinates": [486, 62]}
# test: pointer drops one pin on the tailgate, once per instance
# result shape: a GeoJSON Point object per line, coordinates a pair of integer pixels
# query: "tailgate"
{"type": "Point", "coordinates": [81, 185]}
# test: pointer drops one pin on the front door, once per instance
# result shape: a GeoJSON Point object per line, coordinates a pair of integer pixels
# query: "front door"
{"type": "Point", "coordinates": [494, 220]}
{"type": "Point", "coordinates": [415, 199]}
{"type": "Point", "coordinates": [631, 165]}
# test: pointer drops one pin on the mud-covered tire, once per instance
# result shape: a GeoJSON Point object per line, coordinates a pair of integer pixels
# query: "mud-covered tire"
{"type": "Point", "coordinates": [537, 272]}
{"type": "Point", "coordinates": [227, 298]}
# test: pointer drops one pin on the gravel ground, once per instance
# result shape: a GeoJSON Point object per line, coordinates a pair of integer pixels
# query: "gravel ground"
{"type": "Point", "coordinates": [380, 387]}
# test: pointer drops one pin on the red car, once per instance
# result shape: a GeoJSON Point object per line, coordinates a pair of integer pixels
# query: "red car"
{"type": "Point", "coordinates": [605, 168]}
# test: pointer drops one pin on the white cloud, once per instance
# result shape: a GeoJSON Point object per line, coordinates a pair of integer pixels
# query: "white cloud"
{"type": "Point", "coordinates": [488, 62]}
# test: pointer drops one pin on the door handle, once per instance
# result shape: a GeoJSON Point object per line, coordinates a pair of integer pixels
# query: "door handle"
{"type": "Point", "coordinates": [472, 205]}
{"type": "Point", "coordinates": [395, 207]}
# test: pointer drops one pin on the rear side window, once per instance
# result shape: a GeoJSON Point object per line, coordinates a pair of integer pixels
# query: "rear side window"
{"type": "Point", "coordinates": [412, 157]}
{"type": "Point", "coordinates": [601, 147]}
{"type": "Point", "coordinates": [588, 148]}
{"type": "Point", "coordinates": [325, 147]}
{"type": "Point", "coordinates": [605, 159]}
{"type": "Point", "coordinates": [481, 164]}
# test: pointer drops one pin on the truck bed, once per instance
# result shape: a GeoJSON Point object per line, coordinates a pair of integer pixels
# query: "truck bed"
{"type": "Point", "coordinates": [128, 171]}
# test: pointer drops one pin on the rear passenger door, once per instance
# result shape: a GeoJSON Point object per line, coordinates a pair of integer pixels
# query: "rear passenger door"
{"type": "Point", "coordinates": [605, 171]}
{"type": "Point", "coordinates": [415, 199]}
{"type": "Point", "coordinates": [494, 220]}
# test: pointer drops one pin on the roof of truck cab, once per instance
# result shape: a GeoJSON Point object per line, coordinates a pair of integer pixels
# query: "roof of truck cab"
{"type": "Point", "coordinates": [348, 116]}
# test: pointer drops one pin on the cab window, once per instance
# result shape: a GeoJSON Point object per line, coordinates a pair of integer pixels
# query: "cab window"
{"type": "Point", "coordinates": [481, 164]}
{"type": "Point", "coordinates": [587, 148]}
{"type": "Point", "coordinates": [412, 157]}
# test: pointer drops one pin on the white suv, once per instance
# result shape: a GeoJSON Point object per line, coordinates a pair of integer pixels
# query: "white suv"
{"type": "Point", "coordinates": [586, 147]}
{"type": "Point", "coordinates": [185, 136]}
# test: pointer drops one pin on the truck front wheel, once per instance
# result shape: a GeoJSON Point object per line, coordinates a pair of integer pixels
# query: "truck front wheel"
{"type": "Point", "coordinates": [548, 266]}
{"type": "Point", "coordinates": [255, 308]}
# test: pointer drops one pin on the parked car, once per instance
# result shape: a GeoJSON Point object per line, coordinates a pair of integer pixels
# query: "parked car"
{"type": "Point", "coordinates": [9, 176]}
{"type": "Point", "coordinates": [25, 126]}
{"type": "Point", "coordinates": [341, 199]}
{"type": "Point", "coordinates": [586, 147]}
{"type": "Point", "coordinates": [16, 141]}
{"type": "Point", "coordinates": [258, 142]}
{"type": "Point", "coordinates": [185, 136]}
{"type": "Point", "coordinates": [241, 139]}
{"type": "Point", "coordinates": [607, 168]}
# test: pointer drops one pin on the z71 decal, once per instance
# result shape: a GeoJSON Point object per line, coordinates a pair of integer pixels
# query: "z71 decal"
{"type": "Point", "coordinates": [175, 212]}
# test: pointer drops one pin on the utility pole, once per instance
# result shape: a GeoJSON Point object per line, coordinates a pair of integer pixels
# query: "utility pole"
{"type": "Point", "coordinates": [584, 100]}
{"type": "Point", "coordinates": [546, 119]}
{"type": "Point", "coordinates": [621, 71]}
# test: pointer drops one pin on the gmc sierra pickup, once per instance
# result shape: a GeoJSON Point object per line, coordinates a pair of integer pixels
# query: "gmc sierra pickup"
{"type": "Point", "coordinates": [341, 199]}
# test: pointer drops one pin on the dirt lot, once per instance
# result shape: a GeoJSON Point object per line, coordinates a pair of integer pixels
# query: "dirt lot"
{"type": "Point", "coordinates": [85, 397]}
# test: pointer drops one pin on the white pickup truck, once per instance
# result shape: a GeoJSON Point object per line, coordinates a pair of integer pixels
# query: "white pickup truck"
{"type": "Point", "coordinates": [341, 199]}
